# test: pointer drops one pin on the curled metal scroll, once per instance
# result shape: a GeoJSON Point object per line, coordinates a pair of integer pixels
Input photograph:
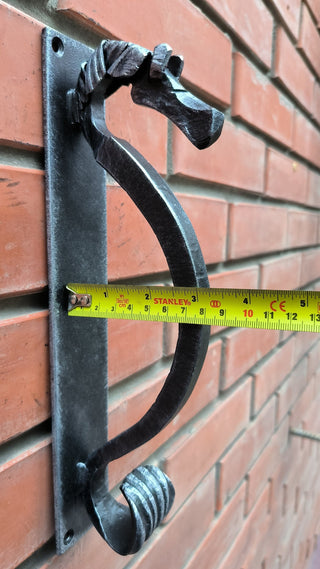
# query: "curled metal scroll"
{"type": "Point", "coordinates": [155, 83]}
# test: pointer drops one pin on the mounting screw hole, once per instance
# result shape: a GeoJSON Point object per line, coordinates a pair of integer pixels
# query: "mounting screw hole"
{"type": "Point", "coordinates": [68, 537]}
{"type": "Point", "coordinates": [57, 46]}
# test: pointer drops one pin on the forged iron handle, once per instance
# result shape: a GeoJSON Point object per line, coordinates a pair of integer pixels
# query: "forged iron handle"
{"type": "Point", "coordinates": [148, 491]}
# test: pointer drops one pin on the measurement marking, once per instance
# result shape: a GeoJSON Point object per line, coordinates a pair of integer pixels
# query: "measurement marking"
{"type": "Point", "coordinates": [217, 307]}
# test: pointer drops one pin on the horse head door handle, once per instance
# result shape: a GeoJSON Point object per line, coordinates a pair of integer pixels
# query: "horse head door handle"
{"type": "Point", "coordinates": [155, 83]}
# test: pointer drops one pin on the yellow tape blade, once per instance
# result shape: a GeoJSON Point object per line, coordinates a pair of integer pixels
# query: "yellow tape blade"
{"type": "Point", "coordinates": [250, 308]}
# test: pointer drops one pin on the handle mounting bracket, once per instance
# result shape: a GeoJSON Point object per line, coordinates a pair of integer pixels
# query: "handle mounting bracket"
{"type": "Point", "coordinates": [76, 222]}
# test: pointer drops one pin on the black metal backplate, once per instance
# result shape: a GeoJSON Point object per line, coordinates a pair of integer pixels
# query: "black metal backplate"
{"type": "Point", "coordinates": [76, 227]}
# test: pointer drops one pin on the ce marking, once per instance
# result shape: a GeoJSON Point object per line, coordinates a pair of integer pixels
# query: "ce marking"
{"type": "Point", "coordinates": [281, 306]}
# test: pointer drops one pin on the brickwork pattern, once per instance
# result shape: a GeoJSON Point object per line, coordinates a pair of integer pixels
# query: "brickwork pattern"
{"type": "Point", "coordinates": [247, 493]}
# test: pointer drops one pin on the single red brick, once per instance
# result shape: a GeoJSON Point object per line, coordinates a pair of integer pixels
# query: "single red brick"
{"type": "Point", "coordinates": [24, 373]}
{"type": "Point", "coordinates": [308, 414]}
{"type": "Point", "coordinates": [306, 139]}
{"type": "Point", "coordinates": [207, 51]}
{"type": "Point", "coordinates": [244, 348]}
{"type": "Point", "coordinates": [133, 249]}
{"type": "Point", "coordinates": [125, 412]}
{"type": "Point", "coordinates": [225, 162]}
{"type": "Point", "coordinates": [170, 337]}
{"type": "Point", "coordinates": [221, 535]}
{"type": "Point", "coordinates": [289, 13]}
{"type": "Point", "coordinates": [259, 555]}
{"type": "Point", "coordinates": [256, 101]}
{"type": "Point", "coordinates": [303, 342]}
{"type": "Point", "coordinates": [209, 219]}
{"type": "Point", "coordinates": [177, 540]}
{"type": "Point", "coordinates": [256, 228]}
{"type": "Point", "coordinates": [22, 230]}
{"type": "Point", "coordinates": [269, 375]}
{"type": "Point", "coordinates": [264, 466]}
{"type": "Point", "coordinates": [291, 389]}
{"type": "Point", "coordinates": [89, 551]}
{"type": "Point", "coordinates": [132, 346]}
{"type": "Point", "coordinates": [21, 92]}
{"type": "Point", "coordinates": [296, 555]}
{"type": "Point", "coordinates": [286, 179]}
{"type": "Point", "coordinates": [285, 468]}
{"type": "Point", "coordinates": [309, 40]}
{"type": "Point", "coordinates": [248, 539]}
{"type": "Point", "coordinates": [194, 454]}
{"type": "Point", "coordinates": [292, 72]}
{"type": "Point", "coordinates": [301, 412]}
{"type": "Point", "coordinates": [236, 462]}
{"type": "Point", "coordinates": [310, 266]}
{"type": "Point", "coordinates": [207, 386]}
{"type": "Point", "coordinates": [313, 360]}
{"type": "Point", "coordinates": [282, 273]}
{"type": "Point", "coordinates": [253, 26]}
{"type": "Point", "coordinates": [314, 6]}
{"type": "Point", "coordinates": [314, 189]}
{"type": "Point", "coordinates": [26, 517]}
{"type": "Point", "coordinates": [316, 376]}
{"type": "Point", "coordinates": [302, 228]}
{"type": "Point", "coordinates": [125, 120]}
{"type": "Point", "coordinates": [316, 103]}
{"type": "Point", "coordinates": [237, 278]}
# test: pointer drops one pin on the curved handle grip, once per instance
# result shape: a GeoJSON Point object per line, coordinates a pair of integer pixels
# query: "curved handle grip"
{"type": "Point", "coordinates": [148, 491]}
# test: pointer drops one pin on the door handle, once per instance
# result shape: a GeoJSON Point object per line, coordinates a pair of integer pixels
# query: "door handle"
{"type": "Point", "coordinates": [155, 83]}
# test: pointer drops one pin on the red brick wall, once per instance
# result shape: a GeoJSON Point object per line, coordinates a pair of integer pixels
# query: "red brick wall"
{"type": "Point", "coordinates": [248, 494]}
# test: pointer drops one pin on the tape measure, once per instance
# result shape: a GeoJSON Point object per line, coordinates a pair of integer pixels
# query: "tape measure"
{"type": "Point", "coordinates": [297, 311]}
